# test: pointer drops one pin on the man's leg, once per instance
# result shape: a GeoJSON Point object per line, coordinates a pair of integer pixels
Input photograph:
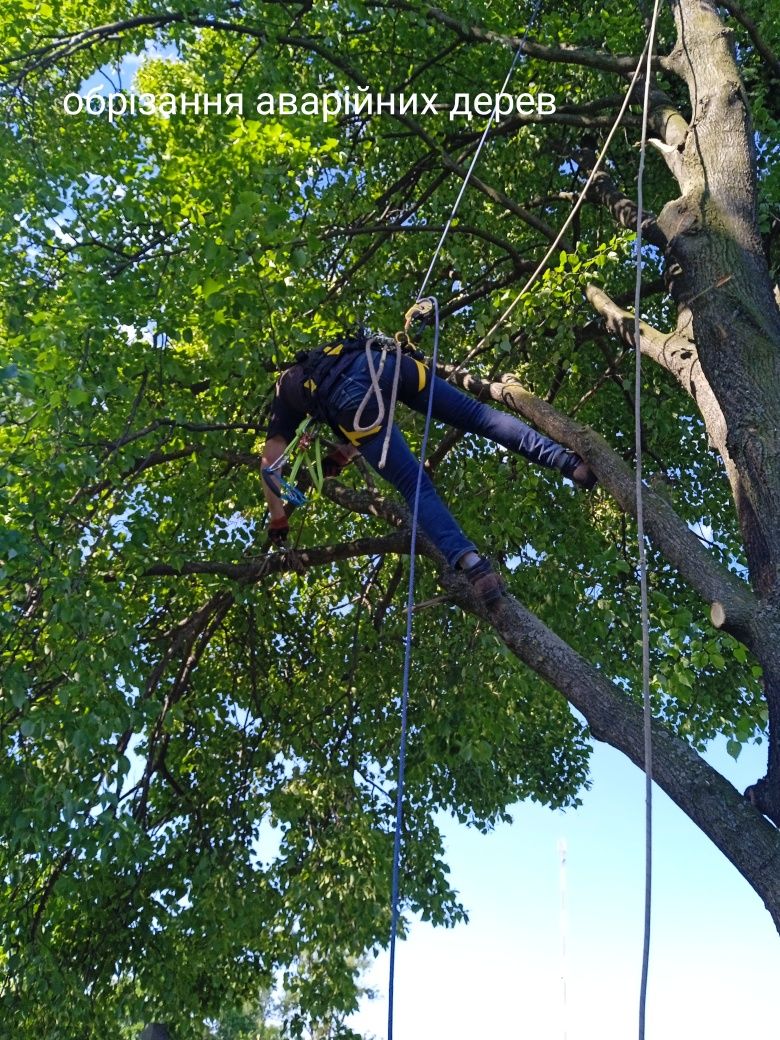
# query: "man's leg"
{"type": "Point", "coordinates": [401, 470]}
{"type": "Point", "coordinates": [464, 412]}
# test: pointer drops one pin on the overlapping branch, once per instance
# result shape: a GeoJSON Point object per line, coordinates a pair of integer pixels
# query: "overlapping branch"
{"type": "Point", "coordinates": [668, 531]}
{"type": "Point", "coordinates": [565, 54]}
{"type": "Point", "coordinates": [770, 59]}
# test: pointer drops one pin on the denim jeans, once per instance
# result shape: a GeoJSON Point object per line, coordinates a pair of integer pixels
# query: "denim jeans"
{"type": "Point", "coordinates": [450, 406]}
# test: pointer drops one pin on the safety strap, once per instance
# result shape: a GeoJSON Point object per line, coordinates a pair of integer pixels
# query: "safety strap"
{"type": "Point", "coordinates": [417, 316]}
{"type": "Point", "coordinates": [310, 454]}
{"type": "Point", "coordinates": [307, 448]}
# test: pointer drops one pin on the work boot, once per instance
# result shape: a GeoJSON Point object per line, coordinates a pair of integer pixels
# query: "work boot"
{"type": "Point", "coordinates": [584, 477]}
{"type": "Point", "coordinates": [486, 583]}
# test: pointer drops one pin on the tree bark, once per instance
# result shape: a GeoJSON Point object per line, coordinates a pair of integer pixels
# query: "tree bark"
{"type": "Point", "coordinates": [713, 234]}
{"type": "Point", "coordinates": [725, 351]}
{"type": "Point", "coordinates": [741, 833]}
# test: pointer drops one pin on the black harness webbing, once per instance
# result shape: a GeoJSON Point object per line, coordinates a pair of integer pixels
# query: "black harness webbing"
{"type": "Point", "coordinates": [323, 365]}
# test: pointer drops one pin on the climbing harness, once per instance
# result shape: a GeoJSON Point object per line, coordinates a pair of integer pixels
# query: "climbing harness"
{"type": "Point", "coordinates": [418, 315]}
{"type": "Point", "coordinates": [321, 368]}
{"type": "Point", "coordinates": [323, 365]}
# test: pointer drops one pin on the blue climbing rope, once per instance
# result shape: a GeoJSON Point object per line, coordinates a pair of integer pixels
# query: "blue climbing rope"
{"type": "Point", "coordinates": [410, 596]}
{"type": "Point", "coordinates": [399, 798]}
{"type": "Point", "coordinates": [640, 536]}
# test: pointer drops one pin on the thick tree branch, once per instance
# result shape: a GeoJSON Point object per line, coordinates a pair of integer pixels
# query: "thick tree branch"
{"type": "Point", "coordinates": [676, 353]}
{"type": "Point", "coordinates": [605, 192]}
{"type": "Point", "coordinates": [283, 561]}
{"type": "Point", "coordinates": [620, 322]}
{"type": "Point", "coordinates": [61, 47]}
{"type": "Point", "coordinates": [462, 229]}
{"type": "Point", "coordinates": [561, 117]}
{"type": "Point", "coordinates": [155, 458]}
{"type": "Point", "coordinates": [669, 533]}
{"type": "Point", "coordinates": [564, 54]}
{"type": "Point", "coordinates": [741, 833]}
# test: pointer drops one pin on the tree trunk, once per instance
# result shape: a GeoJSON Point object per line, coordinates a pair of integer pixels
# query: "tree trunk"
{"type": "Point", "coordinates": [720, 281]}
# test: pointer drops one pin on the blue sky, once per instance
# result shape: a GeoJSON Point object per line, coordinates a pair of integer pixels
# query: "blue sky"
{"type": "Point", "coordinates": [715, 954]}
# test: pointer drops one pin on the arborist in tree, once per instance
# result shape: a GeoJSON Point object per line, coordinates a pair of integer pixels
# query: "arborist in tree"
{"type": "Point", "coordinates": [352, 384]}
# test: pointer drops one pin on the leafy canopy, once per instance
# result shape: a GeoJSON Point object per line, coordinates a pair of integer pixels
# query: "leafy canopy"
{"type": "Point", "coordinates": [198, 769]}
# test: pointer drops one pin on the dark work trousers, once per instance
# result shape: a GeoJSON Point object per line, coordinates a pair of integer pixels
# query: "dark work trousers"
{"type": "Point", "coordinates": [450, 406]}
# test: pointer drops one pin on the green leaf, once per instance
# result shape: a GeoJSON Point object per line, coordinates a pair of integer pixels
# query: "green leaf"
{"type": "Point", "coordinates": [734, 748]}
{"type": "Point", "coordinates": [211, 286]}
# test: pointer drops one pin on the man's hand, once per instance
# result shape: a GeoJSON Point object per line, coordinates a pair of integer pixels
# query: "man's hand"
{"type": "Point", "coordinates": [272, 452]}
{"type": "Point", "coordinates": [335, 461]}
{"type": "Point", "coordinates": [278, 530]}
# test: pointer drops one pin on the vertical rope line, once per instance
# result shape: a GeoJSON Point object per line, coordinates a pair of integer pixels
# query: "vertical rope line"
{"type": "Point", "coordinates": [415, 511]}
{"type": "Point", "coordinates": [575, 209]}
{"type": "Point", "coordinates": [399, 798]}
{"type": "Point", "coordinates": [640, 525]}
{"type": "Point", "coordinates": [475, 157]}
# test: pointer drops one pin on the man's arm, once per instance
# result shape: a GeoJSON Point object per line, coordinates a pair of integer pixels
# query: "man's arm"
{"type": "Point", "coordinates": [272, 452]}
{"type": "Point", "coordinates": [336, 460]}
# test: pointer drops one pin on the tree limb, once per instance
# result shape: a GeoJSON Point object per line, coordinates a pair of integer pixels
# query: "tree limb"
{"type": "Point", "coordinates": [772, 64]}
{"type": "Point", "coordinates": [604, 191]}
{"type": "Point", "coordinates": [462, 229]}
{"type": "Point", "coordinates": [563, 54]}
{"type": "Point", "coordinates": [677, 354]}
{"type": "Point", "coordinates": [671, 535]}
{"type": "Point", "coordinates": [284, 561]}
{"type": "Point", "coordinates": [739, 830]}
